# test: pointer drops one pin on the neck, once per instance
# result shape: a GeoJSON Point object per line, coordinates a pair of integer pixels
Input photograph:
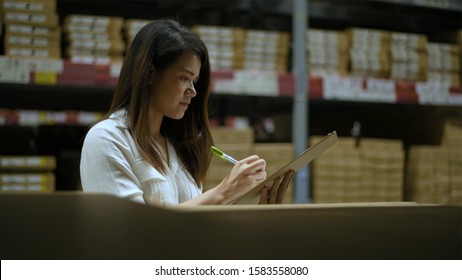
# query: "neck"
{"type": "Point", "coordinates": [155, 123]}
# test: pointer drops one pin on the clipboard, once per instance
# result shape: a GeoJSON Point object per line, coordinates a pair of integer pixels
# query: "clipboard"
{"type": "Point", "coordinates": [253, 196]}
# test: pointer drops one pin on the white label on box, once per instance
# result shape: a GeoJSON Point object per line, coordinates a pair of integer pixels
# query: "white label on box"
{"type": "Point", "coordinates": [29, 118]}
{"type": "Point", "coordinates": [114, 69]}
{"type": "Point", "coordinates": [8, 162]}
{"type": "Point", "coordinates": [23, 6]}
{"type": "Point", "coordinates": [258, 82]}
{"type": "Point", "coordinates": [14, 70]}
{"type": "Point", "coordinates": [35, 178]}
{"type": "Point", "coordinates": [14, 187]}
{"type": "Point", "coordinates": [33, 161]}
{"type": "Point", "coordinates": [86, 118]}
{"type": "Point", "coordinates": [455, 99]}
{"type": "Point", "coordinates": [337, 87]}
{"type": "Point", "coordinates": [433, 92]}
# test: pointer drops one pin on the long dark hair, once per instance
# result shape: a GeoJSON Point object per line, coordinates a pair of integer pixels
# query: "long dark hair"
{"type": "Point", "coordinates": [160, 44]}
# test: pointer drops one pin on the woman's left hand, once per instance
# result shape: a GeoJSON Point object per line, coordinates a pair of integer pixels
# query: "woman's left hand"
{"type": "Point", "coordinates": [278, 191]}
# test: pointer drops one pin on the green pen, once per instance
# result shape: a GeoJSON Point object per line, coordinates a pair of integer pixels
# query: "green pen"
{"type": "Point", "coordinates": [222, 155]}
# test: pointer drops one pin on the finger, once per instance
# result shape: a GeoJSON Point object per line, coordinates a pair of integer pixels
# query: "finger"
{"type": "Point", "coordinates": [263, 196]}
{"type": "Point", "coordinates": [250, 159]}
{"type": "Point", "coordinates": [259, 176]}
{"type": "Point", "coordinates": [284, 186]}
{"type": "Point", "coordinates": [274, 190]}
{"type": "Point", "coordinates": [256, 166]}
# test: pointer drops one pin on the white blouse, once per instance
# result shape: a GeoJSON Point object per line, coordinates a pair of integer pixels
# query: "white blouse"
{"type": "Point", "coordinates": [111, 163]}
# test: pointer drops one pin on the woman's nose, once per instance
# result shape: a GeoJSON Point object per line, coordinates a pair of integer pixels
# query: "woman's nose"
{"type": "Point", "coordinates": [191, 90]}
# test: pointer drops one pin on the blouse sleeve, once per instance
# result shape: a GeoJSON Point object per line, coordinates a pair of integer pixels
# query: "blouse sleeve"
{"type": "Point", "coordinates": [106, 164]}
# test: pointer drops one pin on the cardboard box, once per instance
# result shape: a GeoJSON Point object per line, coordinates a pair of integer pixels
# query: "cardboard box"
{"type": "Point", "coordinates": [230, 135]}
{"type": "Point", "coordinates": [47, 19]}
{"type": "Point", "coordinates": [27, 163]}
{"type": "Point", "coordinates": [42, 6]}
{"type": "Point", "coordinates": [32, 52]}
{"type": "Point", "coordinates": [52, 33]}
{"type": "Point", "coordinates": [32, 41]}
{"type": "Point", "coordinates": [91, 23]}
{"type": "Point", "coordinates": [27, 182]}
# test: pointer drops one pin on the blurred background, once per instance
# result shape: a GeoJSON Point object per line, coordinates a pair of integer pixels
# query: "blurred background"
{"type": "Point", "coordinates": [384, 74]}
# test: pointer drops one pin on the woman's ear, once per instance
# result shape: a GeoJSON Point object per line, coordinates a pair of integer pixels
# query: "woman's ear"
{"type": "Point", "coordinates": [151, 74]}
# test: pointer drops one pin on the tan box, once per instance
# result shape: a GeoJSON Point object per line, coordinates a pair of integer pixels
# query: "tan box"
{"type": "Point", "coordinates": [411, 40]}
{"type": "Point", "coordinates": [30, 5]}
{"type": "Point", "coordinates": [370, 36]}
{"type": "Point", "coordinates": [110, 46]}
{"type": "Point", "coordinates": [32, 52]}
{"type": "Point", "coordinates": [52, 33]}
{"type": "Point", "coordinates": [27, 182]}
{"type": "Point", "coordinates": [27, 163]}
{"type": "Point", "coordinates": [229, 35]}
{"type": "Point", "coordinates": [32, 41]}
{"type": "Point", "coordinates": [91, 23]}
{"type": "Point", "coordinates": [92, 36]}
{"type": "Point", "coordinates": [232, 135]}
{"type": "Point", "coordinates": [48, 19]}
{"type": "Point", "coordinates": [274, 151]}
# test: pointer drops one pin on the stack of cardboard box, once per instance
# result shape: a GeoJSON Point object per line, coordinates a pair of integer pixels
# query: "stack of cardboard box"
{"type": "Point", "coordinates": [382, 169]}
{"type": "Point", "coordinates": [1, 21]}
{"type": "Point", "coordinates": [428, 174]}
{"type": "Point", "coordinates": [27, 173]}
{"type": "Point", "coordinates": [372, 171]}
{"type": "Point", "coordinates": [369, 52]}
{"type": "Point", "coordinates": [443, 63]}
{"type": "Point", "coordinates": [452, 139]}
{"type": "Point", "coordinates": [435, 172]}
{"type": "Point", "coordinates": [266, 50]}
{"type": "Point", "coordinates": [327, 52]}
{"type": "Point", "coordinates": [408, 56]}
{"type": "Point", "coordinates": [225, 46]}
{"type": "Point", "coordinates": [94, 39]}
{"type": "Point", "coordinates": [459, 43]}
{"type": "Point", "coordinates": [31, 29]}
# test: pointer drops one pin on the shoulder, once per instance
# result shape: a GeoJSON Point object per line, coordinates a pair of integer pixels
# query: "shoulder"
{"type": "Point", "coordinates": [104, 129]}
{"type": "Point", "coordinates": [113, 127]}
{"type": "Point", "coordinates": [109, 132]}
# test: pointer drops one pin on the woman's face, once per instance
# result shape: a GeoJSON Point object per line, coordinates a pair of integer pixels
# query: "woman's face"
{"type": "Point", "coordinates": [173, 89]}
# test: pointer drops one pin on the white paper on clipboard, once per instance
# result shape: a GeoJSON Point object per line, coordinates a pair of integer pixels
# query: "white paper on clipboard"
{"type": "Point", "coordinates": [253, 196]}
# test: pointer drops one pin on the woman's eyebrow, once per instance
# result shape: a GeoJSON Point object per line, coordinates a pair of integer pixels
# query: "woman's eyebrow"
{"type": "Point", "coordinates": [189, 71]}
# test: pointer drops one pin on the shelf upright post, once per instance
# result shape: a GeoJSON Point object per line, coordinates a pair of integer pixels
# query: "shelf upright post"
{"type": "Point", "coordinates": [300, 100]}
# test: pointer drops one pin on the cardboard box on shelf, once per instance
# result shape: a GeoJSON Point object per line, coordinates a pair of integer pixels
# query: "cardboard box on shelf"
{"type": "Point", "coordinates": [52, 33]}
{"type": "Point", "coordinates": [231, 135]}
{"type": "Point", "coordinates": [47, 19]}
{"type": "Point", "coordinates": [92, 23]}
{"type": "Point", "coordinates": [29, 5]}
{"type": "Point", "coordinates": [220, 34]}
{"type": "Point", "coordinates": [110, 46]}
{"type": "Point", "coordinates": [372, 171]}
{"type": "Point", "coordinates": [28, 181]}
{"type": "Point", "coordinates": [32, 52]}
{"type": "Point", "coordinates": [27, 163]}
{"type": "Point", "coordinates": [336, 40]}
{"type": "Point", "coordinates": [34, 41]}
{"type": "Point", "coordinates": [274, 151]}
{"type": "Point", "coordinates": [412, 41]}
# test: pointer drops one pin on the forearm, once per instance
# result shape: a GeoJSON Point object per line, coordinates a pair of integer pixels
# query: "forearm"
{"type": "Point", "coordinates": [213, 196]}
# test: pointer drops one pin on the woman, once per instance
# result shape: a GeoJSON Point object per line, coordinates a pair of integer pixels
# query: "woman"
{"type": "Point", "coordinates": [153, 146]}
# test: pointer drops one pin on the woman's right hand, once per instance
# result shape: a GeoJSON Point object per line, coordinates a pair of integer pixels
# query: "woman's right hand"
{"type": "Point", "coordinates": [245, 175]}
